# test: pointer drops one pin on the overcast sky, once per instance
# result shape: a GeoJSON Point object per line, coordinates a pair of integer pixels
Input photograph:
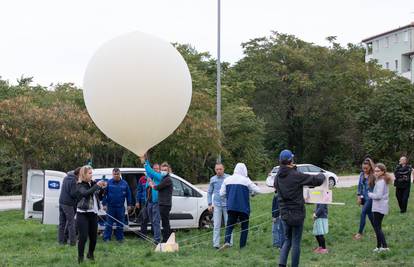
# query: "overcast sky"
{"type": "Point", "coordinates": [53, 40]}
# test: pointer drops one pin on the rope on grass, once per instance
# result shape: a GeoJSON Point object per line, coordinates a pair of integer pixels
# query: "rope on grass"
{"type": "Point", "coordinates": [223, 227]}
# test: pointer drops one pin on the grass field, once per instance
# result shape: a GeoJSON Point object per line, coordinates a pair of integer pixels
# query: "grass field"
{"type": "Point", "coordinates": [29, 243]}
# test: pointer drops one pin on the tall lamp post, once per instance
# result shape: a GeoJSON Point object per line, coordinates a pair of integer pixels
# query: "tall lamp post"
{"type": "Point", "coordinates": [218, 85]}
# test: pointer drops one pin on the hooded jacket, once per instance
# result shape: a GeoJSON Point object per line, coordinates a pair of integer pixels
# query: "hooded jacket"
{"type": "Point", "coordinates": [289, 184]}
{"type": "Point", "coordinates": [237, 189]}
{"type": "Point", "coordinates": [68, 195]}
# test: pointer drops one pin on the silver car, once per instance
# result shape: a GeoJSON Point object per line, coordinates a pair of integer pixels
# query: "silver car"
{"type": "Point", "coordinates": [308, 169]}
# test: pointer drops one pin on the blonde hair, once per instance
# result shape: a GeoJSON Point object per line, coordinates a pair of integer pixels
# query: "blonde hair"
{"type": "Point", "coordinates": [83, 174]}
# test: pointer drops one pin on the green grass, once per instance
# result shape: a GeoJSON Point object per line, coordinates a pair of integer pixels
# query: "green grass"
{"type": "Point", "coordinates": [29, 243]}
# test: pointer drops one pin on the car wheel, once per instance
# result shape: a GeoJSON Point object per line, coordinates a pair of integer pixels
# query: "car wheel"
{"type": "Point", "coordinates": [332, 182]}
{"type": "Point", "coordinates": [206, 220]}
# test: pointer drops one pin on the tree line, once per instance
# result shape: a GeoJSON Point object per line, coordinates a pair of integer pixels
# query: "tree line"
{"type": "Point", "coordinates": [324, 103]}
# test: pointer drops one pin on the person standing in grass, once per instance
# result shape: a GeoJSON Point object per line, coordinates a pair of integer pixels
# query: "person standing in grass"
{"type": "Point", "coordinates": [402, 183]}
{"type": "Point", "coordinates": [217, 204]}
{"type": "Point", "coordinates": [89, 193]}
{"type": "Point", "coordinates": [152, 196]}
{"type": "Point", "coordinates": [116, 193]}
{"type": "Point", "coordinates": [380, 204]}
{"type": "Point", "coordinates": [237, 189]}
{"type": "Point", "coordinates": [67, 209]}
{"type": "Point", "coordinates": [278, 233]}
{"type": "Point", "coordinates": [320, 227]}
{"type": "Point", "coordinates": [366, 184]}
{"type": "Point", "coordinates": [289, 184]}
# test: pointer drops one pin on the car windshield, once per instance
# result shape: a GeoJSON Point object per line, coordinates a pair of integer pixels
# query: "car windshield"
{"type": "Point", "coordinates": [313, 168]}
{"type": "Point", "coordinates": [275, 170]}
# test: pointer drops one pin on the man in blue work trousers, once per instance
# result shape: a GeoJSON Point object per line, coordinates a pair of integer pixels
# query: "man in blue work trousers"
{"type": "Point", "coordinates": [114, 200]}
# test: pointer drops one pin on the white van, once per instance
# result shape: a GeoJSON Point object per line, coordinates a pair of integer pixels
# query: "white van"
{"type": "Point", "coordinates": [189, 204]}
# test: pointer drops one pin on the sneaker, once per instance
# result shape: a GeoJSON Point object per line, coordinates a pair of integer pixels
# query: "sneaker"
{"type": "Point", "coordinates": [357, 236]}
{"type": "Point", "coordinates": [376, 250]}
{"type": "Point", "coordinates": [316, 250]}
{"type": "Point", "coordinates": [323, 251]}
{"type": "Point", "coordinates": [226, 245]}
{"type": "Point", "coordinates": [216, 247]}
{"type": "Point", "coordinates": [384, 249]}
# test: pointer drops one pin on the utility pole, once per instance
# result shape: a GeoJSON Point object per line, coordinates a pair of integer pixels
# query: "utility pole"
{"type": "Point", "coordinates": [218, 85]}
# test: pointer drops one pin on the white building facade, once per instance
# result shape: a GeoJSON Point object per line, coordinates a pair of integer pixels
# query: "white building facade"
{"type": "Point", "coordinates": [394, 50]}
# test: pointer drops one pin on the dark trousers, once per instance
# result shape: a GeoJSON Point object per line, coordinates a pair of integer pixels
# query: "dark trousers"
{"type": "Point", "coordinates": [165, 222]}
{"type": "Point", "coordinates": [293, 237]}
{"type": "Point", "coordinates": [87, 223]}
{"type": "Point", "coordinates": [231, 221]}
{"type": "Point", "coordinates": [321, 241]}
{"type": "Point", "coordinates": [366, 211]}
{"type": "Point", "coordinates": [381, 243]}
{"type": "Point", "coordinates": [143, 216]}
{"type": "Point", "coordinates": [402, 195]}
{"type": "Point", "coordinates": [114, 215]}
{"type": "Point", "coordinates": [67, 227]}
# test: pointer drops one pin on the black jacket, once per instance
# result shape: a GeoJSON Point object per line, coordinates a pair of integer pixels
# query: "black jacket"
{"type": "Point", "coordinates": [68, 192]}
{"type": "Point", "coordinates": [165, 190]}
{"type": "Point", "coordinates": [85, 192]}
{"type": "Point", "coordinates": [402, 176]}
{"type": "Point", "coordinates": [321, 211]}
{"type": "Point", "coordinates": [289, 184]}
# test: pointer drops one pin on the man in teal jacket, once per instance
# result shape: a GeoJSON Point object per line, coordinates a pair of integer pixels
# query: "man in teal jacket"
{"type": "Point", "coordinates": [152, 196]}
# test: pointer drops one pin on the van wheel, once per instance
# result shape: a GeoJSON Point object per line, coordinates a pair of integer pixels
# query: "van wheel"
{"type": "Point", "coordinates": [332, 182]}
{"type": "Point", "coordinates": [206, 220]}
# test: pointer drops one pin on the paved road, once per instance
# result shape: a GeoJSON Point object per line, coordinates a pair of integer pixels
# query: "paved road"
{"type": "Point", "coordinates": [10, 202]}
{"type": "Point", "coordinates": [14, 202]}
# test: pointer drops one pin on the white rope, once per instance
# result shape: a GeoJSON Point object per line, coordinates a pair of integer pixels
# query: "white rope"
{"type": "Point", "coordinates": [240, 231]}
{"type": "Point", "coordinates": [223, 227]}
{"type": "Point", "coordinates": [147, 238]}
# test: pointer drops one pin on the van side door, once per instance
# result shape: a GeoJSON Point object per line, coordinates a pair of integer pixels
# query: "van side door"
{"type": "Point", "coordinates": [52, 187]}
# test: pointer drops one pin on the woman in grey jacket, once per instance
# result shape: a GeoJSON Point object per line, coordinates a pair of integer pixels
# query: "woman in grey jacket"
{"type": "Point", "coordinates": [380, 204]}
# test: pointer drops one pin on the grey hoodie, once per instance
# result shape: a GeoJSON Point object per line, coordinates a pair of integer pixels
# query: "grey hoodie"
{"type": "Point", "coordinates": [380, 197]}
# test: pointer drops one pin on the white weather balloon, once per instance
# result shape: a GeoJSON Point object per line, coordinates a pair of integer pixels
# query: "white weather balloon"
{"type": "Point", "coordinates": [137, 90]}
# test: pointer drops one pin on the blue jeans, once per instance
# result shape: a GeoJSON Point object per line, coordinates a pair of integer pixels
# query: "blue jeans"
{"type": "Point", "coordinates": [119, 214]}
{"type": "Point", "coordinates": [155, 217]}
{"type": "Point", "coordinates": [218, 213]}
{"type": "Point", "coordinates": [278, 232]}
{"type": "Point", "coordinates": [366, 211]}
{"type": "Point", "coordinates": [293, 237]}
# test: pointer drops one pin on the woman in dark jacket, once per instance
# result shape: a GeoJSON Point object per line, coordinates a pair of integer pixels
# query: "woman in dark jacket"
{"type": "Point", "coordinates": [87, 210]}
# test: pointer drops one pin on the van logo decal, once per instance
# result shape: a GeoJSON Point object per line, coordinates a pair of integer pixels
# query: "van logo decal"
{"type": "Point", "coordinates": [54, 184]}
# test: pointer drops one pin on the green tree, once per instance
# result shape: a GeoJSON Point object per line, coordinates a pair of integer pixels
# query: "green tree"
{"type": "Point", "coordinates": [38, 135]}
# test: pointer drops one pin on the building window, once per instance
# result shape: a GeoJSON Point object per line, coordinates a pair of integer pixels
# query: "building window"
{"type": "Point", "coordinates": [396, 38]}
{"type": "Point", "coordinates": [369, 49]}
{"type": "Point", "coordinates": [387, 42]}
{"type": "Point", "coordinates": [387, 65]}
{"type": "Point", "coordinates": [406, 36]}
{"type": "Point", "coordinates": [396, 65]}
{"type": "Point", "coordinates": [377, 45]}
